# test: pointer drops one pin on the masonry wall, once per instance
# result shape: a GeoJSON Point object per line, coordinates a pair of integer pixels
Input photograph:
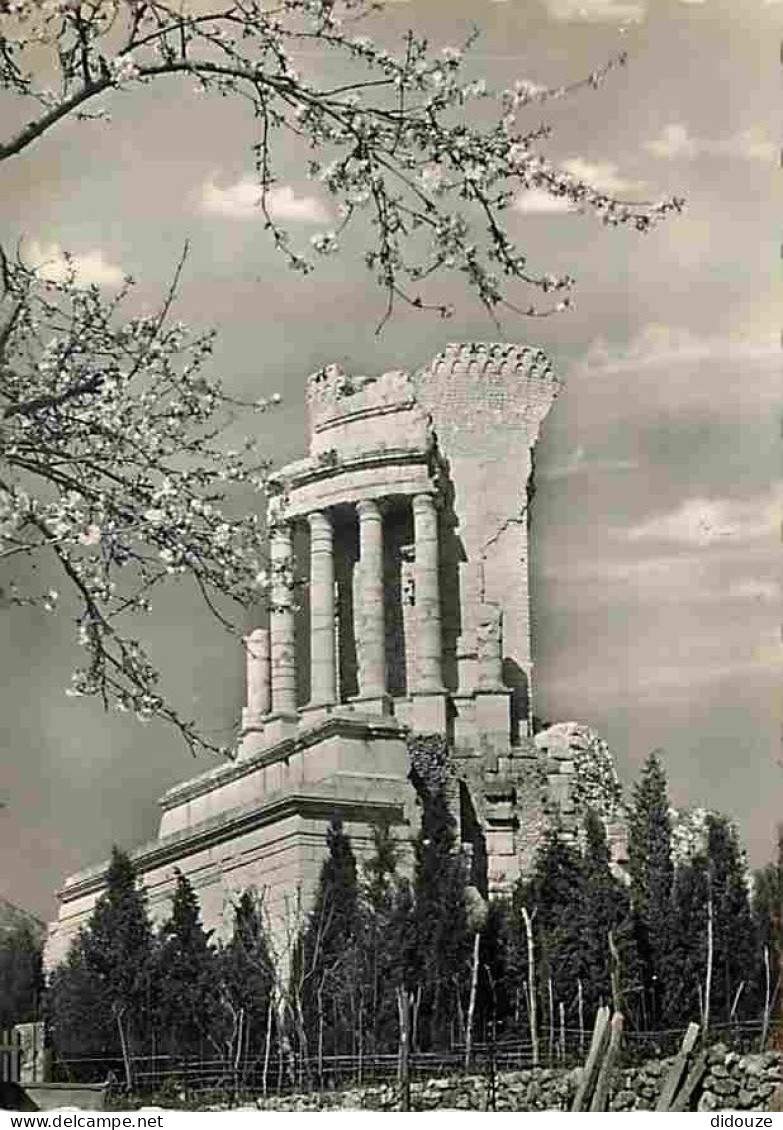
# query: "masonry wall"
{"type": "Point", "coordinates": [745, 1083]}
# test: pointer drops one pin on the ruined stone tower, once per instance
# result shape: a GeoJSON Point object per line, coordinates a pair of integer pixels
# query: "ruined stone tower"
{"type": "Point", "coordinates": [399, 605]}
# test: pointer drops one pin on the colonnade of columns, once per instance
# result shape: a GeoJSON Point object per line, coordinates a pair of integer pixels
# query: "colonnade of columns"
{"type": "Point", "coordinates": [271, 666]}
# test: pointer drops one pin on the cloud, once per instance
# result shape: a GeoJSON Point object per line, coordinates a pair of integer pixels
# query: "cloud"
{"type": "Point", "coordinates": [675, 577]}
{"type": "Point", "coordinates": [596, 11]}
{"type": "Point", "coordinates": [671, 365]}
{"type": "Point", "coordinates": [579, 463]}
{"type": "Point", "coordinates": [660, 342]}
{"type": "Point", "coordinates": [600, 175]}
{"type": "Point", "coordinates": [51, 262]}
{"type": "Point", "coordinates": [539, 202]}
{"type": "Point", "coordinates": [675, 142]}
{"type": "Point", "coordinates": [755, 588]}
{"type": "Point", "coordinates": [704, 521]}
{"type": "Point", "coordinates": [242, 201]}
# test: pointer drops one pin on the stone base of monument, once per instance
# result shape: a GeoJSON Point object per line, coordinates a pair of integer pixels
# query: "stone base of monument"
{"type": "Point", "coordinates": [279, 727]}
{"type": "Point", "coordinates": [424, 712]}
{"type": "Point", "coordinates": [373, 704]}
{"type": "Point", "coordinates": [261, 821]}
{"type": "Point", "coordinates": [492, 714]}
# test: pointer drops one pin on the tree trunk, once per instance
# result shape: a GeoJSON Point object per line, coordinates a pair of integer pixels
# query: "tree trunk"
{"type": "Point", "coordinates": [708, 973]}
{"type": "Point", "coordinates": [472, 1001]}
{"type": "Point", "coordinates": [403, 1066]}
{"type": "Point", "coordinates": [460, 1016]}
{"type": "Point", "coordinates": [580, 999]}
{"type": "Point", "coordinates": [550, 996]}
{"type": "Point", "coordinates": [304, 1057]}
{"type": "Point", "coordinates": [767, 1001]}
{"type": "Point", "coordinates": [414, 1041]}
{"type": "Point", "coordinates": [531, 985]}
{"type": "Point", "coordinates": [238, 1052]}
{"type": "Point", "coordinates": [360, 1048]}
{"type": "Point", "coordinates": [267, 1046]}
{"type": "Point", "coordinates": [119, 1013]}
{"type": "Point", "coordinates": [320, 998]}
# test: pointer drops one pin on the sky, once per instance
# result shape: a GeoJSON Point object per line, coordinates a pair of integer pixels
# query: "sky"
{"type": "Point", "coordinates": [656, 520]}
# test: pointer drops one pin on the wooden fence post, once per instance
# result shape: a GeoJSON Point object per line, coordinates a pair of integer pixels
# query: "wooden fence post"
{"type": "Point", "coordinates": [601, 1093]}
{"type": "Point", "coordinates": [677, 1069]}
{"type": "Point", "coordinates": [597, 1045]}
{"type": "Point", "coordinates": [695, 1075]}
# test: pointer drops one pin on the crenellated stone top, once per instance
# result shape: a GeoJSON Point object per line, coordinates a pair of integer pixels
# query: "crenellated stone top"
{"type": "Point", "coordinates": [487, 388]}
{"type": "Point", "coordinates": [484, 357]}
{"type": "Point", "coordinates": [333, 394]}
{"type": "Point", "coordinates": [475, 401]}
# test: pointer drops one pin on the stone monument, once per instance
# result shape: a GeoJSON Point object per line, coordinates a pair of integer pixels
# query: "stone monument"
{"type": "Point", "coordinates": [408, 519]}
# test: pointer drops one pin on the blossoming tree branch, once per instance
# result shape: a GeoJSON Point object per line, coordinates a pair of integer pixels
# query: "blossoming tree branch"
{"type": "Point", "coordinates": [112, 460]}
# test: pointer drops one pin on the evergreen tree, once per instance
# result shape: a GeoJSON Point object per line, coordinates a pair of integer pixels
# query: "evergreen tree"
{"type": "Point", "coordinates": [607, 961]}
{"type": "Point", "coordinates": [247, 975]}
{"type": "Point", "coordinates": [78, 1016]}
{"type": "Point", "coordinates": [21, 976]}
{"type": "Point", "coordinates": [495, 1008]}
{"type": "Point", "coordinates": [767, 904]}
{"type": "Point", "coordinates": [115, 956]}
{"type": "Point", "coordinates": [386, 909]}
{"type": "Point", "coordinates": [439, 944]}
{"type": "Point", "coordinates": [553, 896]}
{"type": "Point", "coordinates": [325, 970]}
{"type": "Point", "coordinates": [186, 977]}
{"type": "Point", "coordinates": [735, 944]}
{"type": "Point", "coordinates": [686, 964]}
{"type": "Point", "coordinates": [652, 876]}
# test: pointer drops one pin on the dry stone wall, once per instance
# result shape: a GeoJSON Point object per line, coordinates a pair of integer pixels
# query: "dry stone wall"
{"type": "Point", "coordinates": [733, 1082]}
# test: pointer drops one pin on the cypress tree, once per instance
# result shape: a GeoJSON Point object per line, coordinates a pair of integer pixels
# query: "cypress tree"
{"type": "Point", "coordinates": [555, 893]}
{"type": "Point", "coordinates": [686, 963]}
{"type": "Point", "coordinates": [78, 1015]}
{"type": "Point", "coordinates": [117, 952]}
{"type": "Point", "coordinates": [652, 876]}
{"type": "Point", "coordinates": [21, 975]}
{"type": "Point", "coordinates": [495, 1008]}
{"type": "Point", "coordinates": [187, 976]}
{"type": "Point", "coordinates": [325, 970]}
{"type": "Point", "coordinates": [607, 957]}
{"type": "Point", "coordinates": [248, 975]}
{"type": "Point", "coordinates": [440, 944]}
{"type": "Point", "coordinates": [767, 906]}
{"type": "Point", "coordinates": [735, 943]}
{"type": "Point", "coordinates": [386, 916]}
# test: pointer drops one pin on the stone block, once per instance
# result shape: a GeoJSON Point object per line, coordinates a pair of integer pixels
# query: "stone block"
{"type": "Point", "coordinates": [493, 720]}
{"type": "Point", "coordinates": [499, 843]}
{"type": "Point", "coordinates": [427, 713]}
{"type": "Point", "coordinates": [280, 728]}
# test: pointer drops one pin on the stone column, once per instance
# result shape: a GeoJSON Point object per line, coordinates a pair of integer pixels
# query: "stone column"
{"type": "Point", "coordinates": [323, 683]}
{"type": "Point", "coordinates": [370, 618]}
{"type": "Point", "coordinates": [428, 645]}
{"type": "Point", "coordinates": [408, 599]}
{"type": "Point", "coordinates": [259, 690]}
{"type": "Point", "coordinates": [281, 623]}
